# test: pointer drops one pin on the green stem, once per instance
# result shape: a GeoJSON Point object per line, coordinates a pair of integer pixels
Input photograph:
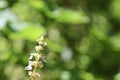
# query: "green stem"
{"type": "Point", "coordinates": [34, 70]}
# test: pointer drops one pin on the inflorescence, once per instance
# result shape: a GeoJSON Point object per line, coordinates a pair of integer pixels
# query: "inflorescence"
{"type": "Point", "coordinates": [36, 60]}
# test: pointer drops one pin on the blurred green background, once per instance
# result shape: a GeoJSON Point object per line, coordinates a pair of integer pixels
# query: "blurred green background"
{"type": "Point", "coordinates": [83, 38]}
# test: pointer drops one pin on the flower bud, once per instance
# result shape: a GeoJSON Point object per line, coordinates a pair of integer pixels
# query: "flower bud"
{"type": "Point", "coordinates": [34, 75]}
{"type": "Point", "coordinates": [38, 48]}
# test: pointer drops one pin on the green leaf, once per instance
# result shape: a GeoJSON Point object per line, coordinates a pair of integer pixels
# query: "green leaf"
{"type": "Point", "coordinates": [70, 16]}
{"type": "Point", "coordinates": [29, 33]}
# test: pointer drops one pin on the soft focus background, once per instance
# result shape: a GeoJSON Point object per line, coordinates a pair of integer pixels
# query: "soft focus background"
{"type": "Point", "coordinates": [83, 38]}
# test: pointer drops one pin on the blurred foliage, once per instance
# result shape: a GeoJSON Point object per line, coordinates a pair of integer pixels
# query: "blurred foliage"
{"type": "Point", "coordinates": [83, 38]}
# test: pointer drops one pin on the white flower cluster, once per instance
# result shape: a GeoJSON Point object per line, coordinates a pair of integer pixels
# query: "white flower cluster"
{"type": "Point", "coordinates": [36, 59]}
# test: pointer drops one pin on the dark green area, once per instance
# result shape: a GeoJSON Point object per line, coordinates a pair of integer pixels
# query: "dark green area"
{"type": "Point", "coordinates": [83, 38]}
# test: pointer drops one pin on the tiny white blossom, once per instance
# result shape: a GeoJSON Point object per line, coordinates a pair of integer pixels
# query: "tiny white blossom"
{"type": "Point", "coordinates": [44, 44]}
{"type": "Point", "coordinates": [31, 57]}
{"type": "Point", "coordinates": [29, 67]}
{"type": "Point", "coordinates": [41, 39]}
{"type": "Point", "coordinates": [38, 48]}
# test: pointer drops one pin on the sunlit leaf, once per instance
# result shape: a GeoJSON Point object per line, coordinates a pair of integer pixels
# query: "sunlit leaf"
{"type": "Point", "coordinates": [30, 33]}
{"type": "Point", "coordinates": [70, 16]}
